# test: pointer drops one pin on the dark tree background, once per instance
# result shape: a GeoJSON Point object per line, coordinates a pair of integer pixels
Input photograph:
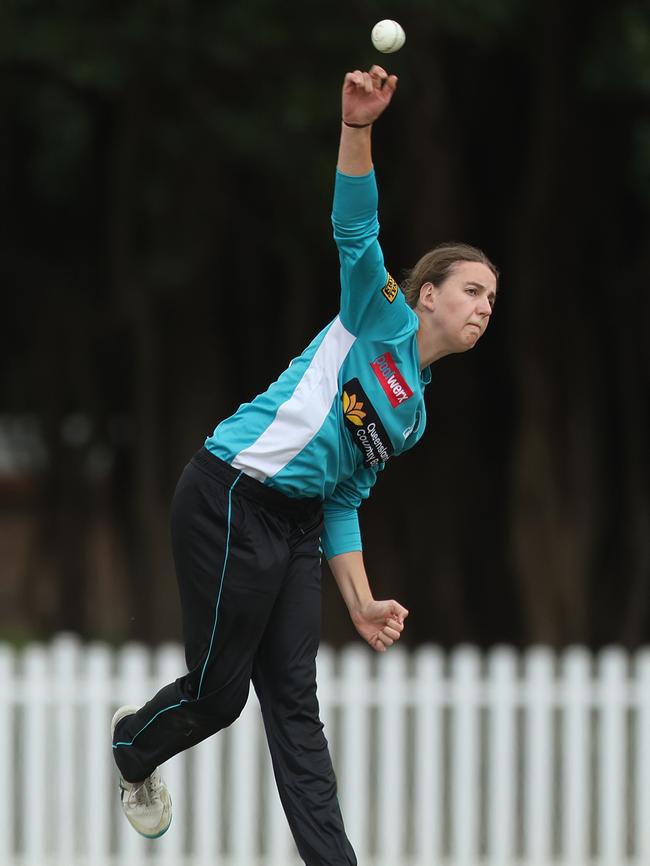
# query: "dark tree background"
{"type": "Point", "coordinates": [166, 174]}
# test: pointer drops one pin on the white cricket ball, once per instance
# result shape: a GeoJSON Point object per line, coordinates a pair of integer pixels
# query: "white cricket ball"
{"type": "Point", "coordinates": [388, 36]}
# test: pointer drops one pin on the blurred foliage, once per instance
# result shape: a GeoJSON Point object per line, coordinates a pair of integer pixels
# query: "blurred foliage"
{"type": "Point", "coordinates": [618, 59]}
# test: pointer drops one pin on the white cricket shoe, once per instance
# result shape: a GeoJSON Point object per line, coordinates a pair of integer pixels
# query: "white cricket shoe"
{"type": "Point", "coordinates": [147, 805]}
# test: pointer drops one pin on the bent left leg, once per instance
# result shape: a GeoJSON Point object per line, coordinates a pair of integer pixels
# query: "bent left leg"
{"type": "Point", "coordinates": [284, 676]}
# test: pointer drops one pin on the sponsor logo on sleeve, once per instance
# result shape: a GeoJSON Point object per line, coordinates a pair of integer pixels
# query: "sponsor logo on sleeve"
{"type": "Point", "coordinates": [390, 379]}
{"type": "Point", "coordinates": [390, 290]}
{"type": "Point", "coordinates": [363, 423]}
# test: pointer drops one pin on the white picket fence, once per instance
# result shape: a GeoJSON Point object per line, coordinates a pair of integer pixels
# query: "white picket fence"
{"type": "Point", "coordinates": [460, 759]}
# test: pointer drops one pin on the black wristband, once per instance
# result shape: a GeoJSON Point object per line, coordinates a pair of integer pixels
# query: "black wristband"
{"type": "Point", "coordinates": [356, 125]}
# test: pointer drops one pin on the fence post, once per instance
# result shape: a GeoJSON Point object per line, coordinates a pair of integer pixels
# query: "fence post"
{"type": "Point", "coordinates": [392, 800]}
{"type": "Point", "coordinates": [501, 685]}
{"type": "Point", "coordinates": [576, 695]}
{"type": "Point", "coordinates": [612, 671]}
{"type": "Point", "coordinates": [96, 761]}
{"type": "Point", "coordinates": [465, 667]}
{"type": "Point", "coordinates": [538, 756]}
{"type": "Point", "coordinates": [65, 653]}
{"type": "Point", "coordinates": [430, 693]}
{"type": "Point", "coordinates": [8, 765]}
{"type": "Point", "coordinates": [642, 764]}
{"type": "Point", "coordinates": [354, 756]}
{"type": "Point", "coordinates": [34, 747]}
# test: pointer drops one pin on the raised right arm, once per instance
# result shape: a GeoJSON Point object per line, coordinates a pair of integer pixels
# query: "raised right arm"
{"type": "Point", "coordinates": [365, 96]}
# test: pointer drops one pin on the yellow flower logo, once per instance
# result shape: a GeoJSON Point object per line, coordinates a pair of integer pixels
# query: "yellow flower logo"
{"type": "Point", "coordinates": [352, 409]}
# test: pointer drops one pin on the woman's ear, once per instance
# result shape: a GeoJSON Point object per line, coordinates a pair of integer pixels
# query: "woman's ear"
{"type": "Point", "coordinates": [427, 298]}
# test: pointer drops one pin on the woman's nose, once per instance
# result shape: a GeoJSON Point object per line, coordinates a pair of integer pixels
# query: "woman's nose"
{"type": "Point", "coordinates": [484, 307]}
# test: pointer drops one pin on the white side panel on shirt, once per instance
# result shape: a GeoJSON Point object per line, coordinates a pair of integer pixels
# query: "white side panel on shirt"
{"type": "Point", "coordinates": [300, 417]}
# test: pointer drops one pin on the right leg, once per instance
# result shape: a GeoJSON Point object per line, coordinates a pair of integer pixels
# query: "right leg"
{"type": "Point", "coordinates": [284, 676]}
{"type": "Point", "coordinates": [228, 582]}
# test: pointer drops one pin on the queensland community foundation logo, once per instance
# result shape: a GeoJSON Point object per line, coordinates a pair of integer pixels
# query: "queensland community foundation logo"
{"type": "Point", "coordinates": [367, 431]}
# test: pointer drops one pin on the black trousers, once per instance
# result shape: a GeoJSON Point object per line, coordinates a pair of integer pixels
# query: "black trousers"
{"type": "Point", "coordinates": [248, 567]}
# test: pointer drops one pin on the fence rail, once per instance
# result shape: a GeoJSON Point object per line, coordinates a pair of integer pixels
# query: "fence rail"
{"type": "Point", "coordinates": [458, 759]}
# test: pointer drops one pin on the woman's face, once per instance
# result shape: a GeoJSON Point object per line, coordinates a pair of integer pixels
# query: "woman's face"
{"type": "Point", "coordinates": [462, 305]}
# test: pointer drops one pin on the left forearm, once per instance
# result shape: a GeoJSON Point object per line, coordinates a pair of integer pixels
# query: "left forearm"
{"type": "Point", "coordinates": [380, 623]}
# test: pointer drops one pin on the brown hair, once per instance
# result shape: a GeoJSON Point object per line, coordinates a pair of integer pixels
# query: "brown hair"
{"type": "Point", "coordinates": [436, 265]}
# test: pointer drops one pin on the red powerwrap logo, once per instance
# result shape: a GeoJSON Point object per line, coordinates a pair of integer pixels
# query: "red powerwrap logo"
{"type": "Point", "coordinates": [390, 379]}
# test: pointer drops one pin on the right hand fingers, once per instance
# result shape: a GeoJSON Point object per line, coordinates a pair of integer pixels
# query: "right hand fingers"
{"type": "Point", "coordinates": [379, 76]}
{"type": "Point", "coordinates": [358, 80]}
{"type": "Point", "coordinates": [375, 79]}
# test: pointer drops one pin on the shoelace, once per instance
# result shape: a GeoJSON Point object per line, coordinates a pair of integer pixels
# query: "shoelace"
{"type": "Point", "coordinates": [144, 794]}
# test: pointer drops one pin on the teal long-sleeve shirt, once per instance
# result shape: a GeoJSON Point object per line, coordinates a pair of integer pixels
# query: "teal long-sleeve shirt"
{"type": "Point", "coordinates": [352, 400]}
